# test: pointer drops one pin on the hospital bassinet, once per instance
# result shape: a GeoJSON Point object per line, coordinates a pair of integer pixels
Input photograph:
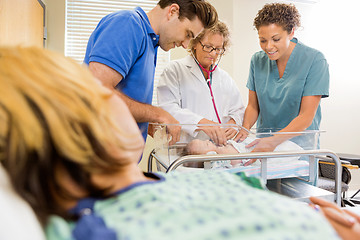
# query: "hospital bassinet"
{"type": "Point", "coordinates": [295, 159]}
{"type": "Point", "coordinates": [290, 166]}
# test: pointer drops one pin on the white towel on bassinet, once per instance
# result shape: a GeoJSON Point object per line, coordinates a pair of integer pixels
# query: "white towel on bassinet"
{"type": "Point", "coordinates": [284, 146]}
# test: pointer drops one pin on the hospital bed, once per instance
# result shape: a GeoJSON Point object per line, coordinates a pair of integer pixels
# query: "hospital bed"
{"type": "Point", "coordinates": [299, 162]}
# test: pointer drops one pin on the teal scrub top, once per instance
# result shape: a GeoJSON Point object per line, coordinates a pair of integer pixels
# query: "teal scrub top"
{"type": "Point", "coordinates": [306, 74]}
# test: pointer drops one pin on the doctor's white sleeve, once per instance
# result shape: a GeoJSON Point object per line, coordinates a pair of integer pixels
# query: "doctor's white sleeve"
{"type": "Point", "coordinates": [169, 98]}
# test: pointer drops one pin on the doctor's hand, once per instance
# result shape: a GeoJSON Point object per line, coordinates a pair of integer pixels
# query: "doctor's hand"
{"type": "Point", "coordinates": [216, 133]}
{"type": "Point", "coordinates": [261, 145]}
{"type": "Point", "coordinates": [230, 132]}
{"type": "Point", "coordinates": [345, 222]}
{"type": "Point", "coordinates": [242, 135]}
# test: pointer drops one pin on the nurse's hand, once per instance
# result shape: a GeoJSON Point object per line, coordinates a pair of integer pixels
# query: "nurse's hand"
{"type": "Point", "coordinates": [230, 132]}
{"type": "Point", "coordinates": [215, 132]}
{"type": "Point", "coordinates": [345, 222]}
{"type": "Point", "coordinates": [261, 145]}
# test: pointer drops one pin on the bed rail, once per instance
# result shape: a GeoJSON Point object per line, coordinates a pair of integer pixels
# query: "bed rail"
{"type": "Point", "coordinates": [320, 154]}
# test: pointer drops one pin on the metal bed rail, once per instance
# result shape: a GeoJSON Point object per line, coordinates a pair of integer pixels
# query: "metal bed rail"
{"type": "Point", "coordinates": [320, 154]}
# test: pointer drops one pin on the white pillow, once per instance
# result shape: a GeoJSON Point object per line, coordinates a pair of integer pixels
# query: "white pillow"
{"type": "Point", "coordinates": [17, 219]}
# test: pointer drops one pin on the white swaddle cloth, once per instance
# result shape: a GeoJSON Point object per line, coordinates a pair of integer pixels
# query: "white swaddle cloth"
{"type": "Point", "coordinates": [241, 148]}
{"type": "Point", "coordinates": [284, 146]}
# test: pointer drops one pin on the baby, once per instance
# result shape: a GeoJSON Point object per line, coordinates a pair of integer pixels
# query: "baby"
{"type": "Point", "coordinates": [198, 146]}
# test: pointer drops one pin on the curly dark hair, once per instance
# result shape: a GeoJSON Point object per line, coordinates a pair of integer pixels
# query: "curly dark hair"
{"type": "Point", "coordinates": [285, 15]}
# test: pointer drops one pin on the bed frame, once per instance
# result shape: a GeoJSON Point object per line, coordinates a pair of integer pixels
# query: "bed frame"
{"type": "Point", "coordinates": [312, 154]}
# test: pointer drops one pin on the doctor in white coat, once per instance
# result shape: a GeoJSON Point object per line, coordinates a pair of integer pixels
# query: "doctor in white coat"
{"type": "Point", "coordinates": [195, 90]}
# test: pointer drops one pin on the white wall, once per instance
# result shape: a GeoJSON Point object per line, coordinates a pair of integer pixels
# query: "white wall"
{"type": "Point", "coordinates": [55, 23]}
{"type": "Point", "coordinates": [333, 28]}
{"type": "Point", "coordinates": [329, 26]}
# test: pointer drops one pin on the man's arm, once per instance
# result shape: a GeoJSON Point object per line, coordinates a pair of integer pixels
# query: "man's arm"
{"type": "Point", "coordinates": [110, 78]}
{"type": "Point", "coordinates": [142, 112]}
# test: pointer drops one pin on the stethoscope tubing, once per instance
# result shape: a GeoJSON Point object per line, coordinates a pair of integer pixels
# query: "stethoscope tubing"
{"type": "Point", "coordinates": [208, 81]}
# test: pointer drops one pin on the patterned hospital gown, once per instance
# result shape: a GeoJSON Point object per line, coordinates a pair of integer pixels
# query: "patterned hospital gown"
{"type": "Point", "coordinates": [202, 205]}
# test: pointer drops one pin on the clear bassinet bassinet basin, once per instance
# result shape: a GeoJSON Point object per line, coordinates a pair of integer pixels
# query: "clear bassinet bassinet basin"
{"type": "Point", "coordinates": [275, 164]}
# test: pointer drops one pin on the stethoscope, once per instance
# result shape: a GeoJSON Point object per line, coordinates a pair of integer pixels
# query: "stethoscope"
{"type": "Point", "coordinates": [209, 81]}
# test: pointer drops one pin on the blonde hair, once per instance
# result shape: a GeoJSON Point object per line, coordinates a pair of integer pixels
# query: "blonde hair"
{"type": "Point", "coordinates": [218, 28]}
{"type": "Point", "coordinates": [53, 111]}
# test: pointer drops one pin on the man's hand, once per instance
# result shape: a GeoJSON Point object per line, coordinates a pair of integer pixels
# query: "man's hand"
{"type": "Point", "coordinates": [174, 131]}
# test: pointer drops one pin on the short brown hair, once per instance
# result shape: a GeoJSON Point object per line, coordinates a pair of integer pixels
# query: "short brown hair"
{"type": "Point", "coordinates": [285, 15]}
{"type": "Point", "coordinates": [190, 8]}
{"type": "Point", "coordinates": [218, 28]}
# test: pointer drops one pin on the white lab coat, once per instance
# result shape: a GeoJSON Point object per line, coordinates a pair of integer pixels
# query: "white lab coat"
{"type": "Point", "coordinates": [184, 93]}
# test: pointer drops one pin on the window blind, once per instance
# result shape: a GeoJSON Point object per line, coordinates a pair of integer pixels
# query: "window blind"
{"type": "Point", "coordinates": [82, 16]}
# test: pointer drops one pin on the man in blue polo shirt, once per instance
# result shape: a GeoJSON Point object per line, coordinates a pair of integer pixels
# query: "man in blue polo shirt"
{"type": "Point", "coordinates": [122, 52]}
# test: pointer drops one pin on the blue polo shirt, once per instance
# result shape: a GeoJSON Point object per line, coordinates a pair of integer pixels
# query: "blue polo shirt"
{"type": "Point", "coordinates": [126, 42]}
{"type": "Point", "coordinates": [306, 74]}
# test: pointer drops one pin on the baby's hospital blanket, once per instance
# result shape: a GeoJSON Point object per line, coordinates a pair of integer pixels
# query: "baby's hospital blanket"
{"type": "Point", "coordinates": [280, 167]}
{"type": "Point", "coordinates": [276, 170]}
{"type": "Point", "coordinates": [285, 146]}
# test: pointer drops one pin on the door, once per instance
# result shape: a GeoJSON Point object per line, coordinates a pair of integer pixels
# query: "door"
{"type": "Point", "coordinates": [22, 22]}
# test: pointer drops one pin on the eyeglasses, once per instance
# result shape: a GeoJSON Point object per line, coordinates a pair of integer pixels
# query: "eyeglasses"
{"type": "Point", "coordinates": [209, 49]}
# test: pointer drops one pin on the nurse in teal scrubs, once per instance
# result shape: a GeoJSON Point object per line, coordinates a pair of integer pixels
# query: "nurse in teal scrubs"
{"type": "Point", "coordinates": [287, 79]}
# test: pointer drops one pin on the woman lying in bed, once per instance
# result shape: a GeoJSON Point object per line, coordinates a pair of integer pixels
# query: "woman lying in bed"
{"type": "Point", "coordinates": [71, 148]}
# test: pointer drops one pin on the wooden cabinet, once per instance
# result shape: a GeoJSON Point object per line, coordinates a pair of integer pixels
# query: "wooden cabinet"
{"type": "Point", "coordinates": [22, 22]}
